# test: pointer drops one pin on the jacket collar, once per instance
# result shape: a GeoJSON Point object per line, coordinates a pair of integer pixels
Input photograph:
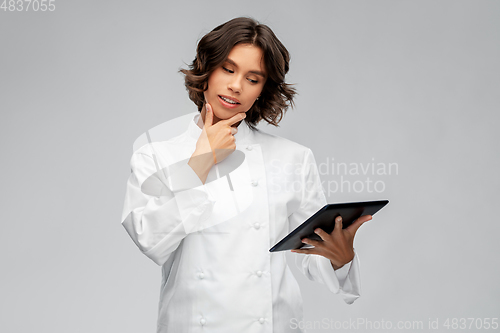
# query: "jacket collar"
{"type": "Point", "coordinates": [244, 135]}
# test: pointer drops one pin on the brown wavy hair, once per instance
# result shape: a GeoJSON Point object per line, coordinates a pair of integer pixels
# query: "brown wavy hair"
{"type": "Point", "coordinates": [213, 49]}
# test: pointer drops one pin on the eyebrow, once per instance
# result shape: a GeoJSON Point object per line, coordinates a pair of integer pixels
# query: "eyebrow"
{"type": "Point", "coordinates": [253, 72]}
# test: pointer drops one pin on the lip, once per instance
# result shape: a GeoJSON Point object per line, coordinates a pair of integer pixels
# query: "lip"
{"type": "Point", "coordinates": [231, 98]}
{"type": "Point", "coordinates": [226, 104]}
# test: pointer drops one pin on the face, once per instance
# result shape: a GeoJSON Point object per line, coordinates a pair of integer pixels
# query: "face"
{"type": "Point", "coordinates": [234, 87]}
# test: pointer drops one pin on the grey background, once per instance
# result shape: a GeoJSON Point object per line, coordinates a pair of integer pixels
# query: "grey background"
{"type": "Point", "coordinates": [409, 82]}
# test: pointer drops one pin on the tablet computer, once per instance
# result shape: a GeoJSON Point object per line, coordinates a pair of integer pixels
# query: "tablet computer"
{"type": "Point", "coordinates": [325, 219]}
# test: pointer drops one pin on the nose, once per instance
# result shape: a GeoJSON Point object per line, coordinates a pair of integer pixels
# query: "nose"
{"type": "Point", "coordinates": [235, 85]}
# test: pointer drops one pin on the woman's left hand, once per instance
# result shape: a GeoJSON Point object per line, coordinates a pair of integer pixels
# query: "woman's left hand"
{"type": "Point", "coordinates": [336, 246]}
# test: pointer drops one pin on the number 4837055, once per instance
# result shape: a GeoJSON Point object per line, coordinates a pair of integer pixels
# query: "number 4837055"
{"type": "Point", "coordinates": [28, 5]}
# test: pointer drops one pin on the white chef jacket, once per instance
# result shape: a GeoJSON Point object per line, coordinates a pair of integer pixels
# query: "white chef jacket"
{"type": "Point", "coordinates": [212, 240]}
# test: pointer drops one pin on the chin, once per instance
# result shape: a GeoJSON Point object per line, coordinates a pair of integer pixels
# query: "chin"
{"type": "Point", "coordinates": [225, 114]}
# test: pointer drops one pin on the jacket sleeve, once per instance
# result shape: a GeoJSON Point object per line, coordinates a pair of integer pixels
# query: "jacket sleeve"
{"type": "Point", "coordinates": [344, 281]}
{"type": "Point", "coordinates": [161, 209]}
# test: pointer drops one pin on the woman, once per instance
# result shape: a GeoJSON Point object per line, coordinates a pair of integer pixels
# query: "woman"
{"type": "Point", "coordinates": [229, 192]}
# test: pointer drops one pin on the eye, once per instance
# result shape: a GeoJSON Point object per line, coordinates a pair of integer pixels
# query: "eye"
{"type": "Point", "coordinates": [227, 70]}
{"type": "Point", "coordinates": [253, 81]}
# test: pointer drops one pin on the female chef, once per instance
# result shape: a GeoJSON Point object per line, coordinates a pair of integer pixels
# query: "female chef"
{"type": "Point", "coordinates": [207, 205]}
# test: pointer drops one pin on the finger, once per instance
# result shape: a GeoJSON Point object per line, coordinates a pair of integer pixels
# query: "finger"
{"type": "Point", "coordinates": [209, 116]}
{"type": "Point", "coordinates": [338, 224]}
{"type": "Point", "coordinates": [306, 251]}
{"type": "Point", "coordinates": [234, 130]}
{"type": "Point", "coordinates": [353, 228]}
{"type": "Point", "coordinates": [311, 242]}
{"type": "Point", "coordinates": [234, 119]}
{"type": "Point", "coordinates": [321, 233]}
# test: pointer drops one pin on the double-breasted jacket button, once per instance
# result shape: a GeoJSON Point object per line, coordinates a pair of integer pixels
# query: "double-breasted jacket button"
{"type": "Point", "coordinates": [255, 182]}
{"type": "Point", "coordinates": [261, 320]}
{"type": "Point", "coordinates": [201, 275]}
{"type": "Point", "coordinates": [259, 273]}
{"type": "Point", "coordinates": [203, 321]}
{"type": "Point", "coordinates": [256, 225]}
{"type": "Point", "coordinates": [249, 147]}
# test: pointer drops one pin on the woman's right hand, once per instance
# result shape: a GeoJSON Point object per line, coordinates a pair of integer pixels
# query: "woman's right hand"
{"type": "Point", "coordinates": [218, 138]}
{"type": "Point", "coordinates": [216, 142]}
